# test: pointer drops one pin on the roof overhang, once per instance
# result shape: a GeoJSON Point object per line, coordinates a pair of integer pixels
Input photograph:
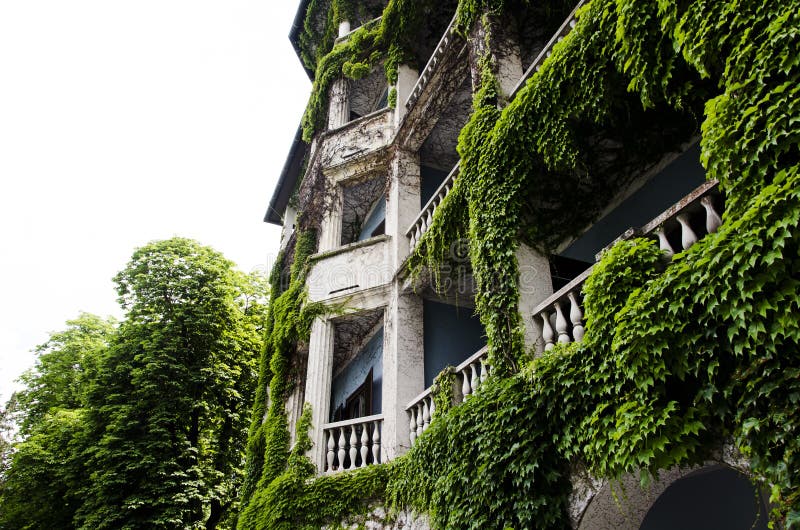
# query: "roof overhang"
{"type": "Point", "coordinates": [287, 182]}
{"type": "Point", "coordinates": [294, 34]}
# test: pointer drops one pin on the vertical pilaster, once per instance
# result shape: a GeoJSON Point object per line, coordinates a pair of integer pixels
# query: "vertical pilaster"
{"type": "Point", "coordinates": [403, 204]}
{"type": "Point", "coordinates": [318, 385]}
{"type": "Point", "coordinates": [339, 107]}
{"type": "Point", "coordinates": [494, 36]}
{"type": "Point", "coordinates": [406, 79]}
{"type": "Point", "coordinates": [331, 226]}
{"type": "Point", "coordinates": [535, 285]}
{"type": "Point", "coordinates": [403, 369]}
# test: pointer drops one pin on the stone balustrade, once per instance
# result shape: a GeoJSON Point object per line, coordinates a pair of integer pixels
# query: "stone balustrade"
{"type": "Point", "coordinates": [469, 376]}
{"type": "Point", "coordinates": [680, 226]}
{"type": "Point", "coordinates": [445, 43]}
{"type": "Point", "coordinates": [353, 443]}
{"type": "Point", "coordinates": [423, 221]}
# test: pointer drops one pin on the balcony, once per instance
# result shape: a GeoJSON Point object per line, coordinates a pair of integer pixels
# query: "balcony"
{"type": "Point", "coordinates": [469, 376]}
{"type": "Point", "coordinates": [679, 227]}
{"type": "Point", "coordinates": [363, 136]}
{"type": "Point", "coordinates": [352, 444]}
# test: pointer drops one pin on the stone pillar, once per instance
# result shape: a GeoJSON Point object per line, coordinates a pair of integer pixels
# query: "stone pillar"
{"type": "Point", "coordinates": [403, 204]}
{"type": "Point", "coordinates": [289, 218]}
{"type": "Point", "coordinates": [535, 285]}
{"type": "Point", "coordinates": [502, 45]}
{"type": "Point", "coordinates": [331, 225]}
{"type": "Point", "coordinates": [318, 385]}
{"type": "Point", "coordinates": [406, 79]}
{"type": "Point", "coordinates": [403, 369]}
{"type": "Point", "coordinates": [339, 106]}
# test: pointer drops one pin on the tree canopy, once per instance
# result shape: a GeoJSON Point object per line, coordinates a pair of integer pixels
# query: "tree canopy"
{"type": "Point", "coordinates": [142, 425]}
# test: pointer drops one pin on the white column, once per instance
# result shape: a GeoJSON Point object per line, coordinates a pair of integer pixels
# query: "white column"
{"type": "Point", "coordinates": [402, 207]}
{"type": "Point", "coordinates": [344, 28]}
{"type": "Point", "coordinates": [406, 79]}
{"type": "Point", "coordinates": [403, 373]}
{"type": "Point", "coordinates": [318, 385]}
{"type": "Point", "coordinates": [331, 226]}
{"type": "Point", "coordinates": [534, 286]}
{"type": "Point", "coordinates": [339, 107]}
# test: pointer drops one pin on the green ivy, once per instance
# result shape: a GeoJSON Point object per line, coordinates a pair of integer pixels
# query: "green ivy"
{"type": "Point", "coordinates": [289, 320]}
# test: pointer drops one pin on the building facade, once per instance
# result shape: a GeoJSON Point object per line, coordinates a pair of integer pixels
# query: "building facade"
{"type": "Point", "coordinates": [371, 183]}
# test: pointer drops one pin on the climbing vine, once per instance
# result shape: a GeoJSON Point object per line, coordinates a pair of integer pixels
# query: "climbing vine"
{"type": "Point", "coordinates": [289, 320]}
{"type": "Point", "coordinates": [387, 42]}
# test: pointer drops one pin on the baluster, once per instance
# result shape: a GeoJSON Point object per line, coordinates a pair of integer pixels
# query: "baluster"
{"type": "Point", "coordinates": [688, 237]}
{"type": "Point", "coordinates": [429, 217]}
{"type": "Point", "coordinates": [364, 444]}
{"type": "Point", "coordinates": [466, 390]}
{"type": "Point", "coordinates": [420, 420]}
{"type": "Point", "coordinates": [561, 324]}
{"type": "Point", "coordinates": [575, 316]}
{"type": "Point", "coordinates": [547, 331]}
{"type": "Point", "coordinates": [663, 242]}
{"type": "Point", "coordinates": [341, 452]}
{"type": "Point", "coordinates": [426, 415]}
{"type": "Point", "coordinates": [432, 407]}
{"type": "Point", "coordinates": [573, 23]}
{"type": "Point", "coordinates": [353, 450]}
{"type": "Point", "coordinates": [476, 381]}
{"type": "Point", "coordinates": [376, 443]}
{"type": "Point", "coordinates": [331, 454]}
{"type": "Point", "coordinates": [412, 425]}
{"type": "Point", "coordinates": [484, 371]}
{"type": "Point", "coordinates": [713, 220]}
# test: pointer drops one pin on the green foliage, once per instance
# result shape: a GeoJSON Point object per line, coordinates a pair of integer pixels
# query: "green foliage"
{"type": "Point", "coordinates": [443, 391]}
{"type": "Point", "coordinates": [64, 364]}
{"type": "Point", "coordinates": [41, 488]}
{"type": "Point", "coordinates": [292, 500]}
{"type": "Point", "coordinates": [288, 322]}
{"type": "Point", "coordinates": [387, 42]}
{"type": "Point", "coordinates": [166, 413]}
{"type": "Point", "coordinates": [488, 463]}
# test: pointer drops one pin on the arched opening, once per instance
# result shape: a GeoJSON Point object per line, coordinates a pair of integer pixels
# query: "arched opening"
{"type": "Point", "coordinates": [712, 498]}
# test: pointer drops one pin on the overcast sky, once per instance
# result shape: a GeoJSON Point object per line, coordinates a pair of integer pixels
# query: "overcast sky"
{"type": "Point", "coordinates": [123, 122]}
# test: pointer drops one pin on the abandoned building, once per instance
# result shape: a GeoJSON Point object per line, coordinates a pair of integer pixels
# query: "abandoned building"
{"type": "Point", "coordinates": [368, 177]}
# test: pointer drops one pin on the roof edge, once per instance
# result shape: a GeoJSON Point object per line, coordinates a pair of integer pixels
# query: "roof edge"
{"type": "Point", "coordinates": [287, 182]}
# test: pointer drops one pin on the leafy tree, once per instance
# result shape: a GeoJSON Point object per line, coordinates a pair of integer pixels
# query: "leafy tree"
{"type": "Point", "coordinates": [41, 477]}
{"type": "Point", "coordinates": [64, 362]}
{"type": "Point", "coordinates": [7, 435]}
{"type": "Point", "coordinates": [167, 412]}
{"type": "Point", "coordinates": [41, 485]}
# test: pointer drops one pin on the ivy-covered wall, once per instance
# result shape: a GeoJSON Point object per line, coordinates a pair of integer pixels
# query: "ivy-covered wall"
{"type": "Point", "coordinates": [673, 361]}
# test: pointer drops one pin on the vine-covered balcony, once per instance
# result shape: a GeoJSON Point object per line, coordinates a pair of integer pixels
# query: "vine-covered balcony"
{"type": "Point", "coordinates": [470, 374]}
{"type": "Point", "coordinates": [561, 316]}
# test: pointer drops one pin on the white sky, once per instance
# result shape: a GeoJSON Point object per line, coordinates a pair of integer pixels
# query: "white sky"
{"type": "Point", "coordinates": [122, 122]}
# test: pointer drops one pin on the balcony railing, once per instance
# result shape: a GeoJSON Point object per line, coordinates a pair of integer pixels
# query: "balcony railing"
{"type": "Point", "coordinates": [469, 376]}
{"type": "Point", "coordinates": [447, 40]}
{"type": "Point", "coordinates": [353, 443]}
{"type": "Point", "coordinates": [423, 221]}
{"type": "Point", "coordinates": [682, 225]}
